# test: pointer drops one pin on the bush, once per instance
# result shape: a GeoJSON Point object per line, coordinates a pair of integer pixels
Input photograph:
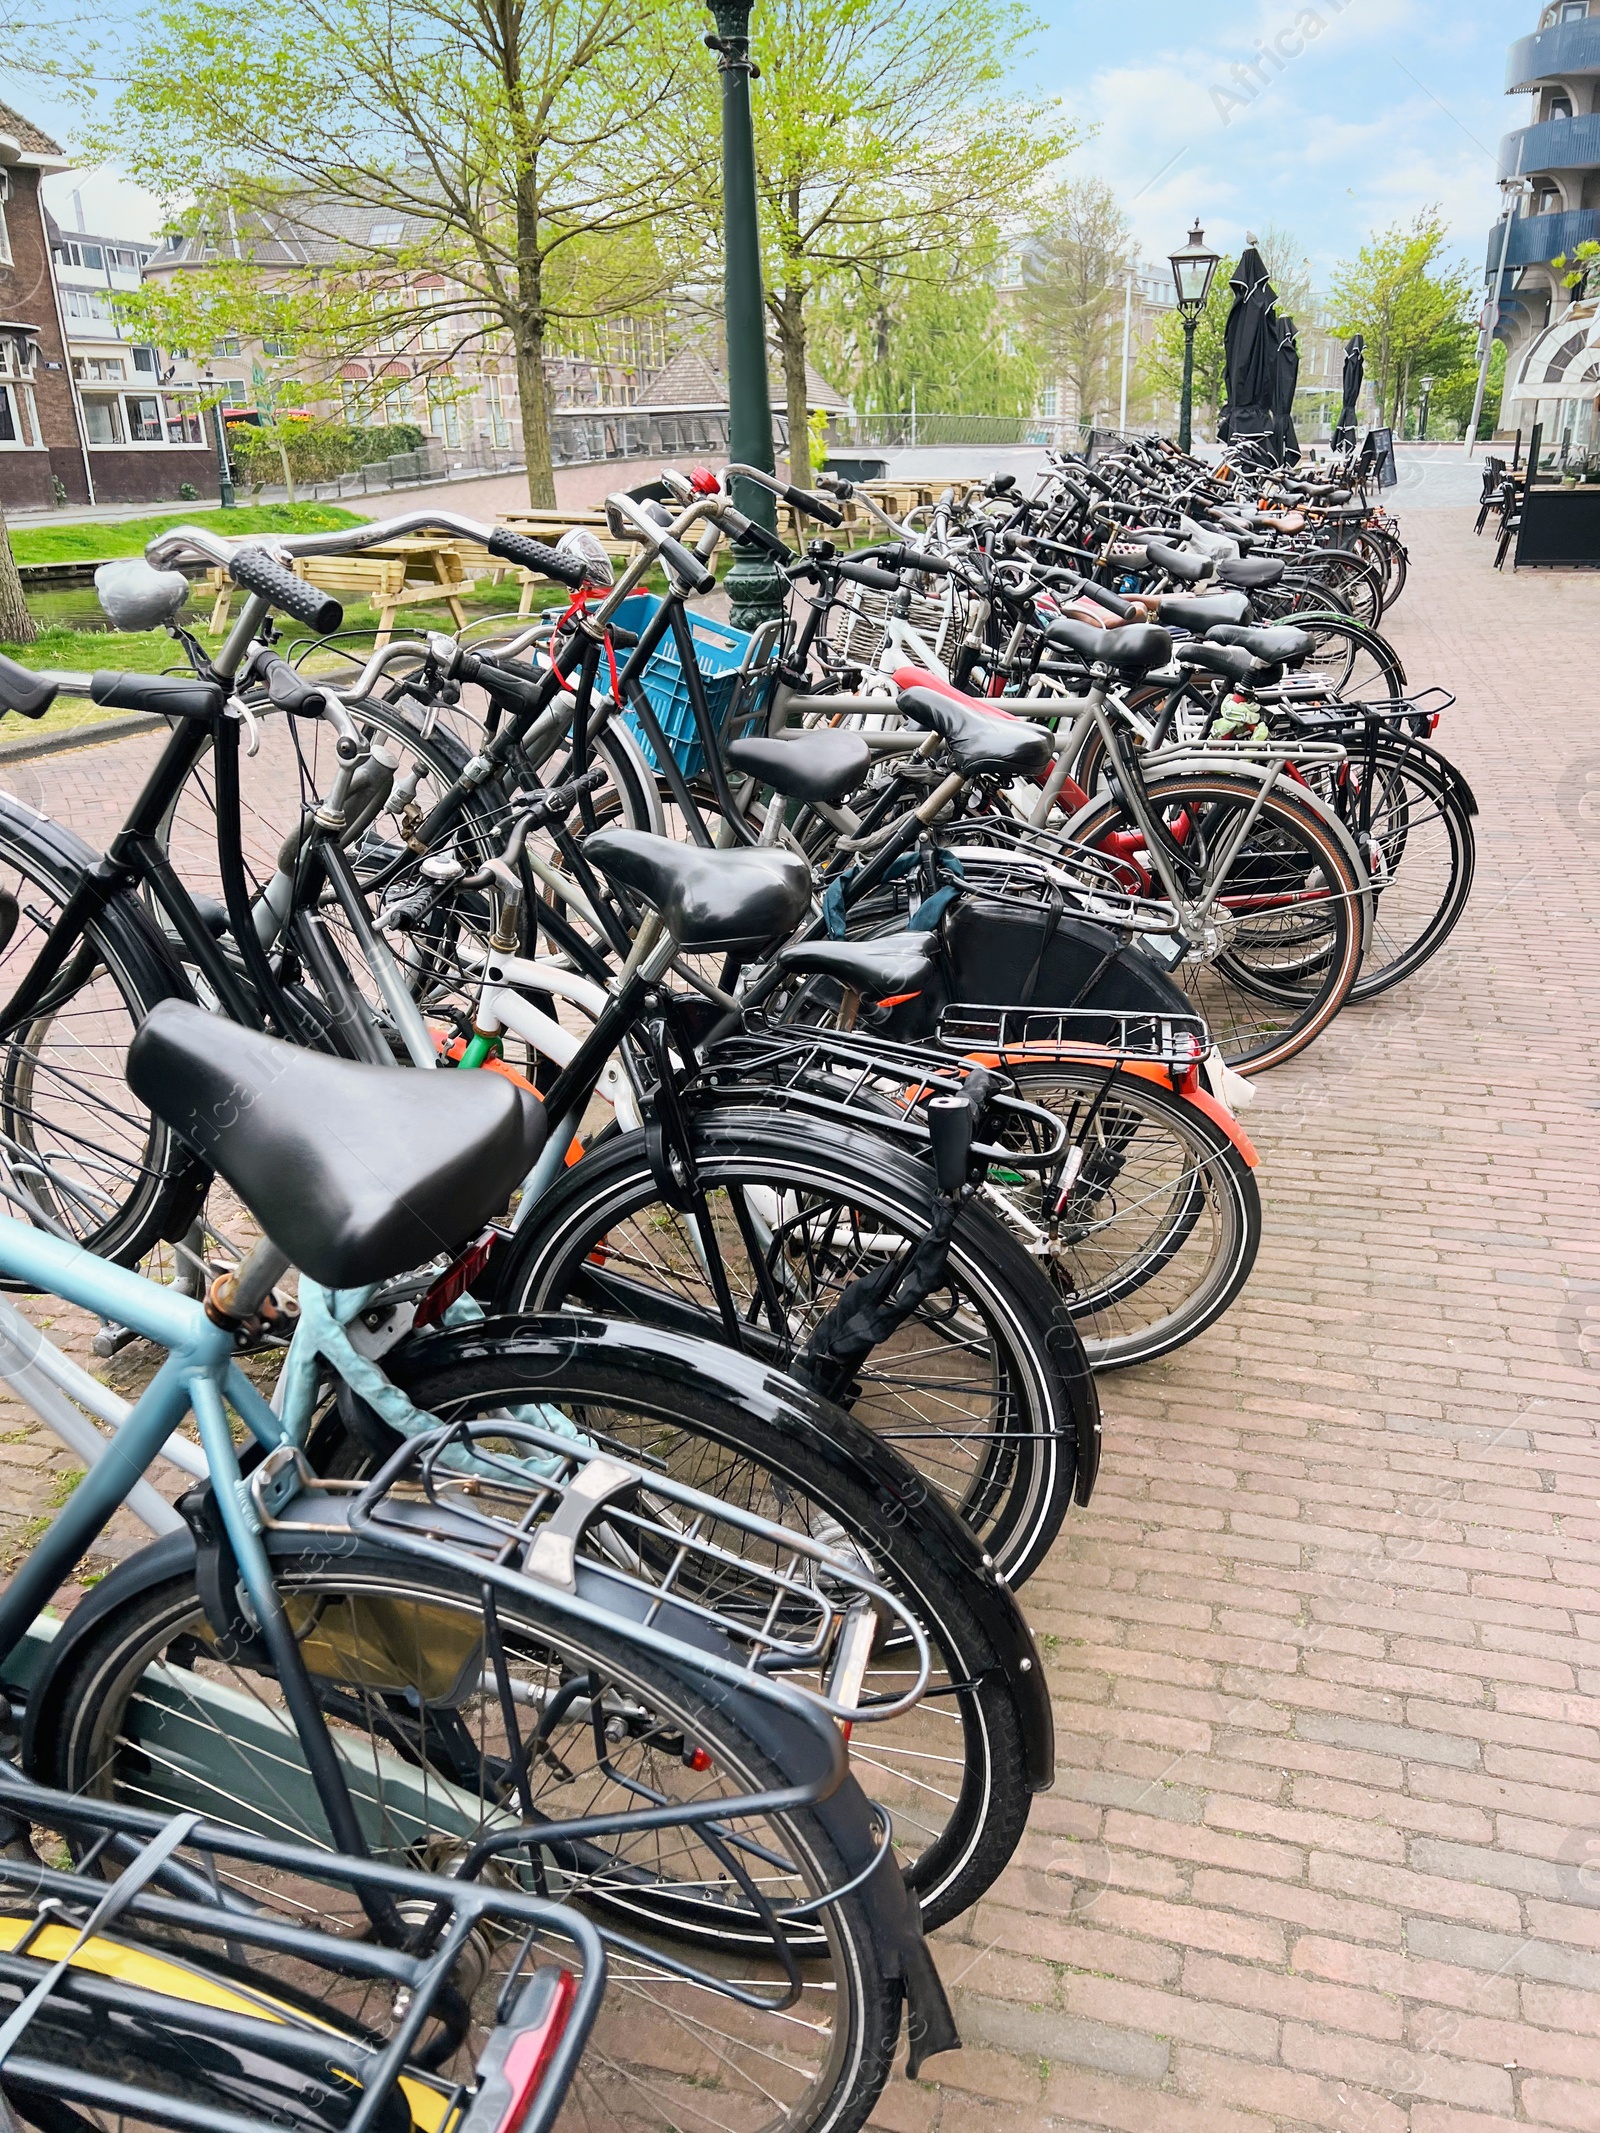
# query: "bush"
{"type": "Point", "coordinates": [317, 450]}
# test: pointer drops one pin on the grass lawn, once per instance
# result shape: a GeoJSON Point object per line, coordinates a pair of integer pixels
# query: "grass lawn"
{"type": "Point", "coordinates": [92, 540]}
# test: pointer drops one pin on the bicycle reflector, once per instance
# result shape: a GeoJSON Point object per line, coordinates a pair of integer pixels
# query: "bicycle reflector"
{"type": "Point", "coordinates": [512, 2069]}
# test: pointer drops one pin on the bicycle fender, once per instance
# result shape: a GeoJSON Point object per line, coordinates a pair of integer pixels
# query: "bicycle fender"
{"type": "Point", "coordinates": [835, 1438]}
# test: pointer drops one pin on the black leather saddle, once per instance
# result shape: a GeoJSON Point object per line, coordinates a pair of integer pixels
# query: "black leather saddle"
{"type": "Point", "coordinates": [727, 900]}
{"type": "Point", "coordinates": [1250, 571]}
{"type": "Point", "coordinates": [1274, 648]}
{"type": "Point", "coordinates": [1187, 569]}
{"type": "Point", "coordinates": [812, 767]}
{"type": "Point", "coordinates": [1230, 660]}
{"type": "Point", "coordinates": [1137, 648]}
{"type": "Point", "coordinates": [1188, 613]}
{"type": "Point", "coordinates": [980, 744]}
{"type": "Point", "coordinates": [892, 964]}
{"type": "Point", "coordinates": [357, 1172]}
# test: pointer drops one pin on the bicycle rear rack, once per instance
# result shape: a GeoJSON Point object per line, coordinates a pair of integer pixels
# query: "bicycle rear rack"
{"type": "Point", "coordinates": [98, 1972]}
{"type": "Point", "coordinates": [860, 1080]}
{"type": "Point", "coordinates": [1032, 861]}
{"type": "Point", "coordinates": [524, 1506]}
{"type": "Point", "coordinates": [1177, 1042]}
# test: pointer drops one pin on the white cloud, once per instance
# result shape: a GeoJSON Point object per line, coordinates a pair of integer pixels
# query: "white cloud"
{"type": "Point", "coordinates": [112, 205]}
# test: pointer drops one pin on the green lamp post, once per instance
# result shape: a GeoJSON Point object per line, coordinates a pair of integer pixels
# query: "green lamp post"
{"type": "Point", "coordinates": [755, 590]}
{"type": "Point", "coordinates": [1192, 268]}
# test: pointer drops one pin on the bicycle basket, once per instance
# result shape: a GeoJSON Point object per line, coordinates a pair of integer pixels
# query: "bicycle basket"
{"type": "Point", "coordinates": [721, 655]}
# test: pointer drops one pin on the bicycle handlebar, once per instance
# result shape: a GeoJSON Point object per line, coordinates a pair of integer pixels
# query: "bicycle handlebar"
{"type": "Point", "coordinates": [534, 555]}
{"type": "Point", "coordinates": [805, 500]}
{"type": "Point", "coordinates": [258, 573]}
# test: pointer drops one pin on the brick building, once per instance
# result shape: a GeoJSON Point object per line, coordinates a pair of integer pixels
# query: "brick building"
{"type": "Point", "coordinates": [55, 447]}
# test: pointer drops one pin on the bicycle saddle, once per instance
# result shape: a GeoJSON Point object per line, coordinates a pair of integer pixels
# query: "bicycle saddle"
{"type": "Point", "coordinates": [1231, 660]}
{"type": "Point", "coordinates": [1252, 572]}
{"type": "Point", "coordinates": [1274, 648]}
{"type": "Point", "coordinates": [1187, 569]}
{"type": "Point", "coordinates": [357, 1172]}
{"type": "Point", "coordinates": [894, 963]}
{"type": "Point", "coordinates": [1187, 613]}
{"type": "Point", "coordinates": [1137, 648]}
{"type": "Point", "coordinates": [979, 743]}
{"type": "Point", "coordinates": [812, 767]}
{"type": "Point", "coordinates": [731, 899]}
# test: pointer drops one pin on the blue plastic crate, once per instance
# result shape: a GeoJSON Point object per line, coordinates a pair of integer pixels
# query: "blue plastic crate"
{"type": "Point", "coordinates": [719, 654]}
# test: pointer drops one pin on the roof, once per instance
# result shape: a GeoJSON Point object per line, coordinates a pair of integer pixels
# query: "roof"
{"type": "Point", "coordinates": [691, 379]}
{"type": "Point", "coordinates": [318, 234]}
{"type": "Point", "coordinates": [31, 143]}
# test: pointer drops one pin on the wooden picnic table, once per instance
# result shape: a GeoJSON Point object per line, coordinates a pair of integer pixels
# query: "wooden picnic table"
{"type": "Point", "coordinates": [411, 572]}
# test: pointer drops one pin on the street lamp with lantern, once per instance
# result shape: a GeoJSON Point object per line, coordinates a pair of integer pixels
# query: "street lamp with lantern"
{"type": "Point", "coordinates": [1422, 411]}
{"type": "Point", "coordinates": [1192, 269]}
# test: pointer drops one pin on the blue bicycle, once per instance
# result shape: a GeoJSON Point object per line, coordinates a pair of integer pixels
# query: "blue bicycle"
{"type": "Point", "coordinates": [511, 1655]}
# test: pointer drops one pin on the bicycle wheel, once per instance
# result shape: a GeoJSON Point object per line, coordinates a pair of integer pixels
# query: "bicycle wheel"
{"type": "Point", "coordinates": [1282, 944]}
{"type": "Point", "coordinates": [75, 1143]}
{"type": "Point", "coordinates": [1415, 830]}
{"type": "Point", "coordinates": [409, 1668]}
{"type": "Point", "coordinates": [1161, 1221]}
{"type": "Point", "coordinates": [1351, 663]}
{"type": "Point", "coordinates": [984, 1387]}
{"type": "Point", "coordinates": [952, 1771]}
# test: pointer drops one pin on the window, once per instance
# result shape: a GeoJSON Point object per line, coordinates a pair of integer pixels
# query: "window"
{"type": "Point", "coordinates": [183, 422]}
{"type": "Point", "coordinates": [102, 419]}
{"type": "Point", "coordinates": [5, 235]}
{"type": "Point", "coordinates": [86, 304]}
{"type": "Point", "coordinates": [144, 419]}
{"type": "Point", "coordinates": [227, 346]}
{"type": "Point", "coordinates": [9, 426]}
{"type": "Point", "coordinates": [146, 359]}
{"type": "Point", "coordinates": [98, 370]}
{"type": "Point", "coordinates": [230, 392]}
{"type": "Point", "coordinates": [386, 233]}
{"type": "Point", "coordinates": [1047, 402]}
{"type": "Point", "coordinates": [1574, 10]}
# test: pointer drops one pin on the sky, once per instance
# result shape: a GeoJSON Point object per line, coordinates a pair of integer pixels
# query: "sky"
{"type": "Point", "coordinates": [1374, 110]}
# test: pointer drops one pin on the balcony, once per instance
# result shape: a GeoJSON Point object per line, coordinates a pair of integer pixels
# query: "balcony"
{"type": "Point", "coordinates": [1555, 54]}
{"type": "Point", "coordinates": [1536, 238]}
{"type": "Point", "coordinates": [1559, 144]}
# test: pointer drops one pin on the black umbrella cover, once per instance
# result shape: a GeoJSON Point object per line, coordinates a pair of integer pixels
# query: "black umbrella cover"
{"type": "Point", "coordinates": [1286, 376]}
{"type": "Point", "coordinates": [1355, 370]}
{"type": "Point", "coordinates": [1250, 351]}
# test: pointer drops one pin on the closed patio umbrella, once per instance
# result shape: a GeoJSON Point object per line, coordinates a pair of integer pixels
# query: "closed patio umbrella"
{"type": "Point", "coordinates": [1355, 369]}
{"type": "Point", "coordinates": [1250, 352]}
{"type": "Point", "coordinates": [1285, 377]}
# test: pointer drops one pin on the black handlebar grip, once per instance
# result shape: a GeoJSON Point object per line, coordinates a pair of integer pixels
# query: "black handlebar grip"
{"type": "Point", "coordinates": [1107, 598]}
{"type": "Point", "coordinates": [686, 568]}
{"type": "Point", "coordinates": [534, 555]}
{"type": "Point", "coordinates": [813, 506]}
{"type": "Point", "coordinates": [289, 691]}
{"type": "Point", "coordinates": [902, 556]}
{"type": "Point", "coordinates": [23, 691]}
{"type": "Point", "coordinates": [255, 570]}
{"type": "Point", "coordinates": [760, 536]}
{"type": "Point", "coordinates": [869, 574]}
{"type": "Point", "coordinates": [950, 1133]}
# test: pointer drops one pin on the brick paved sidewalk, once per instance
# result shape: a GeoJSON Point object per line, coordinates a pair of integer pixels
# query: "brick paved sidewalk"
{"type": "Point", "coordinates": [1324, 1846]}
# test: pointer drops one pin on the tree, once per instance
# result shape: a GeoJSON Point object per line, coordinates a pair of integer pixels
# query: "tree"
{"type": "Point", "coordinates": [935, 333]}
{"type": "Point", "coordinates": [1453, 395]}
{"type": "Point", "coordinates": [882, 141]}
{"type": "Point", "coordinates": [17, 626]}
{"type": "Point", "coordinates": [1413, 306]}
{"type": "Point", "coordinates": [479, 168]}
{"type": "Point", "coordinates": [1073, 272]}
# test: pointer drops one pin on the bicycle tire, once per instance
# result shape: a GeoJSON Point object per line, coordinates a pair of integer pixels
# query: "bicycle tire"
{"type": "Point", "coordinates": [738, 1436]}
{"type": "Point", "coordinates": [367, 1618]}
{"type": "Point", "coordinates": [1296, 1009]}
{"type": "Point", "coordinates": [123, 1183]}
{"type": "Point", "coordinates": [1009, 1472]}
{"type": "Point", "coordinates": [1135, 1293]}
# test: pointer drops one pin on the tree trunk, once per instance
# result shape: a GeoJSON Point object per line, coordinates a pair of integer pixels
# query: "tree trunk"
{"type": "Point", "coordinates": [535, 404]}
{"type": "Point", "coordinates": [790, 312]}
{"type": "Point", "coordinates": [17, 626]}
